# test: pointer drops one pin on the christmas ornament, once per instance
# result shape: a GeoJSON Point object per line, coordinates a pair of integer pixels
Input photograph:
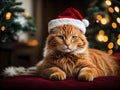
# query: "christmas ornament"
{"type": "Point", "coordinates": [8, 15]}
{"type": "Point", "coordinates": [3, 28]}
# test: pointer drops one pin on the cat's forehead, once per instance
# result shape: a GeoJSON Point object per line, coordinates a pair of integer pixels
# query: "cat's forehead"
{"type": "Point", "coordinates": [67, 29]}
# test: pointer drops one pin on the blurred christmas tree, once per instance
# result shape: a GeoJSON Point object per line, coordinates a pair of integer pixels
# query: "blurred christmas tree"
{"type": "Point", "coordinates": [12, 20]}
{"type": "Point", "coordinates": [104, 30]}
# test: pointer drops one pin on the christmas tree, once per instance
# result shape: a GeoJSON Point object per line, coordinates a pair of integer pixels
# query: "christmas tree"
{"type": "Point", "coordinates": [12, 20]}
{"type": "Point", "coordinates": [104, 30]}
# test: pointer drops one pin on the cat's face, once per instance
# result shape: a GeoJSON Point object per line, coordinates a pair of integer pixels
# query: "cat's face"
{"type": "Point", "coordinates": [67, 38]}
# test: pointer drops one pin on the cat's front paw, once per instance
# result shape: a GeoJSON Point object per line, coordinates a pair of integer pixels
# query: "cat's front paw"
{"type": "Point", "coordinates": [58, 76]}
{"type": "Point", "coordinates": [86, 75]}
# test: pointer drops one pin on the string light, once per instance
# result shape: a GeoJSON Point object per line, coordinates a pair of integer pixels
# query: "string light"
{"type": "Point", "coordinates": [8, 15]}
{"type": "Point", "coordinates": [99, 17]}
{"type": "Point", "coordinates": [119, 36]}
{"type": "Point", "coordinates": [100, 38]}
{"type": "Point", "coordinates": [118, 19]}
{"type": "Point", "coordinates": [110, 51]}
{"type": "Point", "coordinates": [103, 21]}
{"type": "Point", "coordinates": [110, 9]}
{"type": "Point", "coordinates": [3, 28]}
{"type": "Point", "coordinates": [105, 38]}
{"type": "Point", "coordinates": [116, 8]}
{"type": "Point", "coordinates": [101, 32]}
{"type": "Point", "coordinates": [118, 41]}
{"type": "Point", "coordinates": [114, 25]}
{"type": "Point", "coordinates": [108, 2]}
{"type": "Point", "coordinates": [110, 45]}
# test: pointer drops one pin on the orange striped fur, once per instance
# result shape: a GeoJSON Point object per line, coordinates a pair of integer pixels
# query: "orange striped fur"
{"type": "Point", "coordinates": [67, 54]}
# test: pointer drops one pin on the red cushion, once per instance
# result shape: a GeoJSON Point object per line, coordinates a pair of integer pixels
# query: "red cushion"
{"type": "Point", "coordinates": [37, 83]}
{"type": "Point", "coordinates": [117, 55]}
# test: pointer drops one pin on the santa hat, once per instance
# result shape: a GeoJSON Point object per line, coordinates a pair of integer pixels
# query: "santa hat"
{"type": "Point", "coordinates": [70, 16]}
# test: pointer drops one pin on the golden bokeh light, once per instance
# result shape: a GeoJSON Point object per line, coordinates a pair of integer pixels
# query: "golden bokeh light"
{"type": "Point", "coordinates": [110, 51]}
{"type": "Point", "coordinates": [110, 45]}
{"type": "Point", "coordinates": [101, 32]}
{"type": "Point", "coordinates": [118, 19]}
{"type": "Point", "coordinates": [103, 21]}
{"type": "Point", "coordinates": [100, 38]}
{"type": "Point", "coordinates": [118, 41]}
{"type": "Point", "coordinates": [98, 17]}
{"type": "Point", "coordinates": [8, 15]}
{"type": "Point", "coordinates": [108, 2]}
{"type": "Point", "coordinates": [3, 28]}
{"type": "Point", "coordinates": [105, 38]}
{"type": "Point", "coordinates": [110, 9]}
{"type": "Point", "coordinates": [114, 25]}
{"type": "Point", "coordinates": [119, 36]}
{"type": "Point", "coordinates": [116, 8]}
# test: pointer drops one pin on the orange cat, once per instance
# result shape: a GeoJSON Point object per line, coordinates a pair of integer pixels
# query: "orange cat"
{"type": "Point", "coordinates": [67, 54]}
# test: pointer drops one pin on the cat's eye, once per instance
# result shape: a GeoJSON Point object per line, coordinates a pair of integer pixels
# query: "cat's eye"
{"type": "Point", "coordinates": [74, 37]}
{"type": "Point", "coordinates": [60, 36]}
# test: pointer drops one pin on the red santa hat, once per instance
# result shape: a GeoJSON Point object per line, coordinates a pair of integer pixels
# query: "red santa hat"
{"type": "Point", "coordinates": [69, 16]}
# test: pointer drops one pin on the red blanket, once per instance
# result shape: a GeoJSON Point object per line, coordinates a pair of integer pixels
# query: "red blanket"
{"type": "Point", "coordinates": [37, 83]}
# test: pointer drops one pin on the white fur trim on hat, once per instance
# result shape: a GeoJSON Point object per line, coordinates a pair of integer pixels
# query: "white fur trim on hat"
{"type": "Point", "coordinates": [57, 22]}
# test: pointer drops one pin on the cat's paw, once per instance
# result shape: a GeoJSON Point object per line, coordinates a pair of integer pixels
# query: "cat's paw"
{"type": "Point", "coordinates": [58, 76]}
{"type": "Point", "coordinates": [85, 75]}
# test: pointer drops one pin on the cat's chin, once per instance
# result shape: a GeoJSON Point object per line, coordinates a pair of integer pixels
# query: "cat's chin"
{"type": "Point", "coordinates": [67, 51]}
{"type": "Point", "coordinates": [76, 51]}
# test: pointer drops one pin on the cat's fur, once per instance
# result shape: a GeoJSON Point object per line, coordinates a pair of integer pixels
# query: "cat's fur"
{"type": "Point", "coordinates": [67, 54]}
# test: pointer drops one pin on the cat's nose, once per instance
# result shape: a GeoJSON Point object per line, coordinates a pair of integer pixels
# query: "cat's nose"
{"type": "Point", "coordinates": [67, 45]}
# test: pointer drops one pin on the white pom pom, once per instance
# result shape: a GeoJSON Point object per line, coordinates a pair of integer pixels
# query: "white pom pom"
{"type": "Point", "coordinates": [20, 70]}
{"type": "Point", "coordinates": [10, 71]}
{"type": "Point", "coordinates": [14, 71]}
{"type": "Point", "coordinates": [86, 22]}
